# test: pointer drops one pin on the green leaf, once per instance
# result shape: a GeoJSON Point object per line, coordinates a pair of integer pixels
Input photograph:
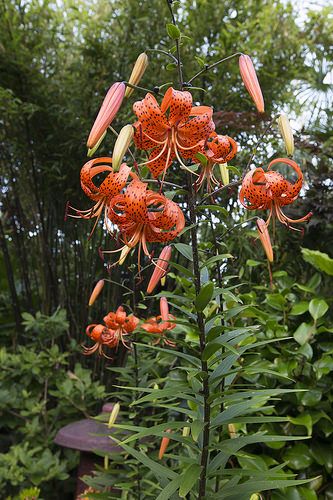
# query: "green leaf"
{"type": "Point", "coordinates": [196, 428]}
{"type": "Point", "coordinates": [299, 308]}
{"type": "Point", "coordinates": [303, 419]}
{"type": "Point", "coordinates": [214, 208]}
{"type": "Point", "coordinates": [298, 457]}
{"type": "Point", "coordinates": [189, 478]}
{"type": "Point", "coordinates": [182, 269]}
{"type": "Point", "coordinates": [323, 455]}
{"type": "Point", "coordinates": [304, 333]}
{"type": "Point", "coordinates": [171, 66]}
{"type": "Point", "coordinates": [217, 258]}
{"type": "Point", "coordinates": [318, 308]}
{"type": "Point", "coordinates": [319, 260]}
{"type": "Point", "coordinates": [204, 297]}
{"type": "Point", "coordinates": [170, 489]}
{"type": "Point", "coordinates": [173, 31]}
{"type": "Point", "coordinates": [202, 158]}
{"type": "Point", "coordinates": [253, 263]}
{"type": "Point", "coordinates": [185, 250]}
{"type": "Point", "coordinates": [156, 468]}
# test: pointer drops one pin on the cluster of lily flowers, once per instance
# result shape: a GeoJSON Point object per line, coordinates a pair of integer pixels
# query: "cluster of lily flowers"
{"type": "Point", "coordinates": [135, 215]}
{"type": "Point", "coordinates": [119, 327]}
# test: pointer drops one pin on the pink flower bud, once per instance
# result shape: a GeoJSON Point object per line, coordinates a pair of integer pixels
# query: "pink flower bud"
{"type": "Point", "coordinates": [96, 291]}
{"type": "Point", "coordinates": [107, 112]}
{"type": "Point", "coordinates": [249, 77]}
{"type": "Point", "coordinates": [265, 239]}
{"type": "Point", "coordinates": [160, 268]}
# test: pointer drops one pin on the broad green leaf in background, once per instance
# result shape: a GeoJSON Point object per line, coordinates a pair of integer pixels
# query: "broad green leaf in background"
{"type": "Point", "coordinates": [319, 260]}
{"type": "Point", "coordinates": [318, 308]}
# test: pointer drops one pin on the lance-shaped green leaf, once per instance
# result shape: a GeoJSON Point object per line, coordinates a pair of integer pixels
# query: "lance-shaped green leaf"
{"type": "Point", "coordinates": [204, 297]}
{"type": "Point", "coordinates": [157, 469]}
{"type": "Point", "coordinates": [189, 477]}
{"type": "Point", "coordinates": [230, 446]}
{"type": "Point", "coordinates": [185, 250]}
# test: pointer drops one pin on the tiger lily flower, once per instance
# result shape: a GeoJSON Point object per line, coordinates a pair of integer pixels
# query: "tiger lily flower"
{"type": "Point", "coordinates": [113, 183]}
{"type": "Point", "coordinates": [116, 326]}
{"type": "Point", "coordinates": [173, 130]}
{"type": "Point", "coordinates": [102, 337]}
{"type": "Point", "coordinates": [121, 324]}
{"type": "Point", "coordinates": [107, 112]}
{"type": "Point", "coordinates": [139, 68]}
{"type": "Point", "coordinates": [219, 149]}
{"type": "Point", "coordinates": [270, 191]}
{"type": "Point", "coordinates": [143, 216]}
{"type": "Point", "coordinates": [250, 79]}
{"type": "Point", "coordinates": [161, 324]}
{"type": "Point", "coordinates": [160, 268]}
{"type": "Point", "coordinates": [265, 239]}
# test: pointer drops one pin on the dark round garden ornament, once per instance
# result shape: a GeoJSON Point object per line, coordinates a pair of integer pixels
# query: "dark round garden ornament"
{"type": "Point", "coordinates": [87, 436]}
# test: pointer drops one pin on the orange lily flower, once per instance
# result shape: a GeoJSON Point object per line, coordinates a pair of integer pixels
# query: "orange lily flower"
{"type": "Point", "coordinates": [113, 183]}
{"type": "Point", "coordinates": [102, 336]}
{"type": "Point", "coordinates": [160, 268]}
{"type": "Point", "coordinates": [173, 130]}
{"type": "Point", "coordinates": [121, 324]}
{"type": "Point", "coordinates": [271, 191]}
{"type": "Point", "coordinates": [220, 149]}
{"type": "Point", "coordinates": [107, 112]}
{"type": "Point", "coordinates": [117, 326]}
{"type": "Point", "coordinates": [250, 79]}
{"type": "Point", "coordinates": [161, 324]}
{"type": "Point", "coordinates": [145, 216]}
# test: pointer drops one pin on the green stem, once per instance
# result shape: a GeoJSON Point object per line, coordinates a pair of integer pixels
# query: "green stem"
{"type": "Point", "coordinates": [179, 63]}
{"type": "Point", "coordinates": [202, 342]}
{"type": "Point", "coordinates": [211, 66]}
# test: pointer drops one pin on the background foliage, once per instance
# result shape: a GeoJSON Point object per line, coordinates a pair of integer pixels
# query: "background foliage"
{"type": "Point", "coordinates": [56, 63]}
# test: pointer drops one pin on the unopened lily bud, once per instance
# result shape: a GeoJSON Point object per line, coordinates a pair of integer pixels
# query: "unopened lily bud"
{"type": "Point", "coordinates": [287, 133]}
{"type": "Point", "coordinates": [160, 268]}
{"type": "Point", "coordinates": [164, 308]}
{"type": "Point", "coordinates": [232, 431]}
{"type": "Point", "coordinates": [164, 444]}
{"type": "Point", "coordinates": [265, 239]}
{"type": "Point", "coordinates": [125, 251]}
{"type": "Point", "coordinates": [224, 173]}
{"type": "Point", "coordinates": [139, 68]}
{"type": "Point", "coordinates": [163, 280]}
{"type": "Point", "coordinates": [123, 141]}
{"type": "Point", "coordinates": [250, 79]}
{"type": "Point", "coordinates": [113, 415]}
{"type": "Point", "coordinates": [96, 291]}
{"type": "Point", "coordinates": [186, 431]}
{"type": "Point", "coordinates": [107, 112]}
{"type": "Point", "coordinates": [93, 150]}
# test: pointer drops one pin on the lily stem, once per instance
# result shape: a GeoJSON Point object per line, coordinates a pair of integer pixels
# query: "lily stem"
{"type": "Point", "coordinates": [179, 63]}
{"type": "Point", "coordinates": [202, 342]}
{"type": "Point", "coordinates": [208, 67]}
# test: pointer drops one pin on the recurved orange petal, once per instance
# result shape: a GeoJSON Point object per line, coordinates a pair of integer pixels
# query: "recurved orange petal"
{"type": "Point", "coordinates": [179, 104]}
{"type": "Point", "coordinates": [153, 121]}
